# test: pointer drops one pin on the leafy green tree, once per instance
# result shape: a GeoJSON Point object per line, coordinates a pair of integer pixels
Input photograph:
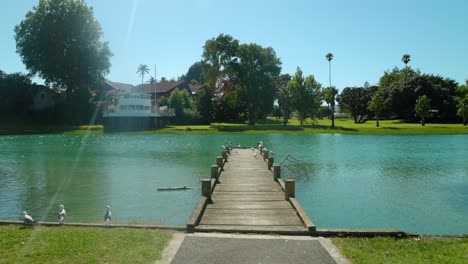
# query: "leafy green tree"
{"type": "Point", "coordinates": [355, 100]}
{"type": "Point", "coordinates": [329, 95]}
{"type": "Point", "coordinates": [257, 70]}
{"type": "Point", "coordinates": [142, 70]}
{"type": "Point", "coordinates": [423, 108]}
{"type": "Point", "coordinates": [163, 79]}
{"type": "Point", "coordinates": [60, 41]}
{"type": "Point", "coordinates": [463, 109]}
{"type": "Point", "coordinates": [284, 96]}
{"type": "Point", "coordinates": [194, 73]}
{"type": "Point", "coordinates": [219, 54]}
{"type": "Point", "coordinates": [205, 105]}
{"type": "Point", "coordinates": [405, 59]}
{"type": "Point", "coordinates": [377, 106]}
{"type": "Point", "coordinates": [162, 101]}
{"type": "Point", "coordinates": [179, 99]}
{"type": "Point", "coordinates": [306, 95]}
{"type": "Point", "coordinates": [401, 88]}
{"type": "Point", "coordinates": [16, 94]}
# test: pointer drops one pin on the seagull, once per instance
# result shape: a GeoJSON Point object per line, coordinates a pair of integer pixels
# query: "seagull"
{"type": "Point", "coordinates": [28, 219]}
{"type": "Point", "coordinates": [62, 213]}
{"type": "Point", "coordinates": [108, 215]}
{"type": "Point", "coordinates": [255, 155]}
{"type": "Point", "coordinates": [252, 149]}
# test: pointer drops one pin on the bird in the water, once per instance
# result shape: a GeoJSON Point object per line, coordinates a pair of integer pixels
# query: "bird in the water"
{"type": "Point", "coordinates": [61, 214]}
{"type": "Point", "coordinates": [108, 215]}
{"type": "Point", "coordinates": [28, 219]}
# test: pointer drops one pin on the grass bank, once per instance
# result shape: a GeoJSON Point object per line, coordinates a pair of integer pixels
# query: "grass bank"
{"type": "Point", "coordinates": [271, 125]}
{"type": "Point", "coordinates": [342, 126]}
{"type": "Point", "coordinates": [65, 244]}
{"type": "Point", "coordinates": [391, 250]}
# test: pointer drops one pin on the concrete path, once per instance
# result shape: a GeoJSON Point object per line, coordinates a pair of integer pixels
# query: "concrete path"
{"type": "Point", "coordinates": [228, 248]}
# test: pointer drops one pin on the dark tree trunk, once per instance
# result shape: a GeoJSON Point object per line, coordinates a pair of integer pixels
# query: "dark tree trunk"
{"type": "Point", "coordinates": [465, 121]}
{"type": "Point", "coordinates": [333, 116]}
{"type": "Point", "coordinates": [423, 120]}
{"type": "Point", "coordinates": [377, 124]}
{"type": "Point", "coordinates": [355, 119]}
{"type": "Point", "coordinates": [285, 118]}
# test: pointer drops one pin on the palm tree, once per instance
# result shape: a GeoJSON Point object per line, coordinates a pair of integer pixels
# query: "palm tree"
{"type": "Point", "coordinates": [329, 95]}
{"type": "Point", "coordinates": [329, 57]}
{"type": "Point", "coordinates": [152, 80]}
{"type": "Point", "coordinates": [423, 108]}
{"type": "Point", "coordinates": [406, 58]}
{"type": "Point", "coordinates": [142, 69]}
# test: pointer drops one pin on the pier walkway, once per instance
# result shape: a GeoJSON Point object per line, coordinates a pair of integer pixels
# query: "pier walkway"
{"type": "Point", "coordinates": [246, 195]}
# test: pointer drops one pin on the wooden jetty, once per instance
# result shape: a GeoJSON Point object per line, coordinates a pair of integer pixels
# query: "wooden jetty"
{"type": "Point", "coordinates": [246, 194]}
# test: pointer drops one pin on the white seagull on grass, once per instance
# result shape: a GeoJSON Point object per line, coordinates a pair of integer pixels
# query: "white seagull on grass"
{"type": "Point", "coordinates": [61, 214]}
{"type": "Point", "coordinates": [28, 219]}
{"type": "Point", "coordinates": [108, 215]}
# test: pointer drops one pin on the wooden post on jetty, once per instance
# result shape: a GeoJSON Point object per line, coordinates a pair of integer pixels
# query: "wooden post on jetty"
{"type": "Point", "coordinates": [214, 172]}
{"type": "Point", "coordinates": [219, 161]}
{"type": "Point", "coordinates": [289, 189]}
{"type": "Point", "coordinates": [270, 163]}
{"type": "Point", "coordinates": [276, 172]}
{"type": "Point", "coordinates": [206, 188]}
{"type": "Point", "coordinates": [265, 153]}
{"type": "Point", "coordinates": [225, 154]}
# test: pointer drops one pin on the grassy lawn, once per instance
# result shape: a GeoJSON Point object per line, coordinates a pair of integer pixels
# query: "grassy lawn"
{"type": "Point", "coordinates": [342, 126]}
{"type": "Point", "coordinates": [271, 125]}
{"type": "Point", "coordinates": [391, 250]}
{"type": "Point", "coordinates": [64, 244]}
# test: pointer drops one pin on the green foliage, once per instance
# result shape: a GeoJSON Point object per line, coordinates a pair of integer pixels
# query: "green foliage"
{"type": "Point", "coordinates": [355, 100]}
{"type": "Point", "coordinates": [306, 95]}
{"type": "Point", "coordinates": [329, 95]}
{"type": "Point", "coordinates": [218, 56]}
{"type": "Point", "coordinates": [179, 100]}
{"type": "Point", "coordinates": [16, 94]}
{"type": "Point", "coordinates": [406, 58]}
{"type": "Point", "coordinates": [377, 105]}
{"type": "Point", "coordinates": [60, 41]}
{"type": "Point", "coordinates": [422, 108]}
{"type": "Point", "coordinates": [194, 73]}
{"type": "Point", "coordinates": [142, 70]}
{"type": "Point", "coordinates": [257, 70]}
{"type": "Point", "coordinates": [401, 88]}
{"type": "Point", "coordinates": [162, 101]}
{"type": "Point", "coordinates": [463, 109]}
{"type": "Point", "coordinates": [284, 96]}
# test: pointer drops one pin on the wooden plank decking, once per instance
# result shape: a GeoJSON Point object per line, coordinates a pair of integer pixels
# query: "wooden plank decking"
{"type": "Point", "coordinates": [247, 199]}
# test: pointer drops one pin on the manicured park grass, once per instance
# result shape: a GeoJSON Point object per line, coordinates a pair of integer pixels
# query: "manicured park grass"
{"type": "Point", "coordinates": [391, 250]}
{"type": "Point", "coordinates": [271, 125]}
{"type": "Point", "coordinates": [342, 126]}
{"type": "Point", "coordinates": [65, 244]}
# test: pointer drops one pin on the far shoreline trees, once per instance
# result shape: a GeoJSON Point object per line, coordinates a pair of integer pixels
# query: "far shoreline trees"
{"type": "Point", "coordinates": [60, 41]}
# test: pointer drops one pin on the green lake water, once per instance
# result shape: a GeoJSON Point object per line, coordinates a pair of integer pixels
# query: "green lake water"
{"type": "Point", "coordinates": [415, 183]}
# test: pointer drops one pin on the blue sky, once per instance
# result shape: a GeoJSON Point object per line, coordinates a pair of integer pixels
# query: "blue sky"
{"type": "Point", "coordinates": [367, 37]}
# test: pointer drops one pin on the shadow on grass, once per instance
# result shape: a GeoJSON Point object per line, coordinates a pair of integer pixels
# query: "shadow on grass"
{"type": "Point", "coordinates": [241, 128]}
{"type": "Point", "coordinates": [324, 127]}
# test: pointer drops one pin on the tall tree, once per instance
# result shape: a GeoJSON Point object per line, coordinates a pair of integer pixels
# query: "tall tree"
{"type": "Point", "coordinates": [306, 95]}
{"type": "Point", "coordinates": [423, 108]}
{"type": "Point", "coordinates": [142, 70]}
{"type": "Point", "coordinates": [329, 57]}
{"type": "Point", "coordinates": [194, 73]}
{"type": "Point", "coordinates": [355, 100]}
{"type": "Point", "coordinates": [284, 96]}
{"type": "Point", "coordinates": [463, 109]}
{"type": "Point", "coordinates": [60, 41]}
{"type": "Point", "coordinates": [219, 54]}
{"type": "Point", "coordinates": [257, 70]}
{"type": "Point", "coordinates": [329, 95]}
{"type": "Point", "coordinates": [377, 105]}
{"type": "Point", "coordinates": [405, 59]}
